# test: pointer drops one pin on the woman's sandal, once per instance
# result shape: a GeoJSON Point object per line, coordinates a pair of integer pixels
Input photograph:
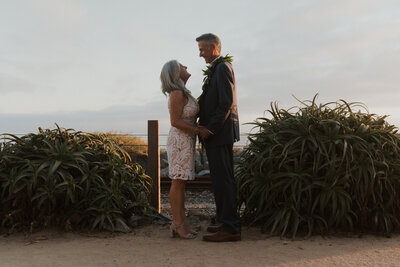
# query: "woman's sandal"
{"type": "Point", "coordinates": [190, 230]}
{"type": "Point", "coordinates": [174, 233]}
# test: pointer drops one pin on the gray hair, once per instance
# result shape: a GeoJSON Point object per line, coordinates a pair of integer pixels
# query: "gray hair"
{"type": "Point", "coordinates": [210, 38]}
{"type": "Point", "coordinates": [170, 79]}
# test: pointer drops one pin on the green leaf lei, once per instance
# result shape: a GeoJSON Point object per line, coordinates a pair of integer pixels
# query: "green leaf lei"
{"type": "Point", "coordinates": [210, 69]}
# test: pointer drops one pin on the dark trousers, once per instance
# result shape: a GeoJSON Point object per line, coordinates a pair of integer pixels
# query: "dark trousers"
{"type": "Point", "coordinates": [220, 160]}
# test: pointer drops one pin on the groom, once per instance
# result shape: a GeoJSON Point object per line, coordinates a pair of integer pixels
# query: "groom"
{"type": "Point", "coordinates": [219, 129]}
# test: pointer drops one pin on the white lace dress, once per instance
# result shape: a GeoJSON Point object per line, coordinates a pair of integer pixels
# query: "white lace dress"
{"type": "Point", "coordinates": [181, 145]}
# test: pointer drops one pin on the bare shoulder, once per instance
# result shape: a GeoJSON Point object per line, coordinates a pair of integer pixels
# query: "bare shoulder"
{"type": "Point", "coordinates": [176, 95]}
{"type": "Point", "coordinates": [178, 98]}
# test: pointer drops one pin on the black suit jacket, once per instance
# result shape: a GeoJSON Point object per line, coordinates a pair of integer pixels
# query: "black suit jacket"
{"type": "Point", "coordinates": [218, 107]}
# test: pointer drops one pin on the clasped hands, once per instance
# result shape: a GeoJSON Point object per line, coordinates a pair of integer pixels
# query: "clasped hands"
{"type": "Point", "coordinates": [203, 132]}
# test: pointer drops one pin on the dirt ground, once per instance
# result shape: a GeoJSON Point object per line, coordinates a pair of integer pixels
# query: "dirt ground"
{"type": "Point", "coordinates": [151, 246]}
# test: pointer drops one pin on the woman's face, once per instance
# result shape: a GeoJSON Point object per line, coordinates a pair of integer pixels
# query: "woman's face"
{"type": "Point", "coordinates": [184, 74]}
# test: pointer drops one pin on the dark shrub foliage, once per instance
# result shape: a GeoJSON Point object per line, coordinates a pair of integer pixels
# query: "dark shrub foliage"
{"type": "Point", "coordinates": [68, 178]}
{"type": "Point", "coordinates": [321, 168]}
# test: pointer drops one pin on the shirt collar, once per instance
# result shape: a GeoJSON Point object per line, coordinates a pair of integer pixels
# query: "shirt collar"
{"type": "Point", "coordinates": [215, 60]}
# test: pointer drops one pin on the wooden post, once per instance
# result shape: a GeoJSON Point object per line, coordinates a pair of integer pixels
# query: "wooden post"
{"type": "Point", "coordinates": [153, 161]}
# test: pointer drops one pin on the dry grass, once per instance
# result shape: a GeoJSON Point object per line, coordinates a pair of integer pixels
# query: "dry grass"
{"type": "Point", "coordinates": [131, 144]}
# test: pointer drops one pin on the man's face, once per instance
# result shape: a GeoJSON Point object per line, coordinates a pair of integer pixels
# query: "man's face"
{"type": "Point", "coordinates": [207, 51]}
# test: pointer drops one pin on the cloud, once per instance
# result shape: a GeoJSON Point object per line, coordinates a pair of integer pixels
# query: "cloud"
{"type": "Point", "coordinates": [59, 15]}
{"type": "Point", "coordinates": [79, 59]}
{"type": "Point", "coordinates": [10, 84]}
{"type": "Point", "coordinates": [341, 51]}
{"type": "Point", "coordinates": [127, 119]}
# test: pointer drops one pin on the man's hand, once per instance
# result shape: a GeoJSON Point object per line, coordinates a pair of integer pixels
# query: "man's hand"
{"type": "Point", "coordinates": [204, 133]}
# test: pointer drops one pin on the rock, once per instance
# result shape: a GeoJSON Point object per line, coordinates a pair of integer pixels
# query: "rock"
{"type": "Point", "coordinates": [205, 162]}
{"type": "Point", "coordinates": [193, 212]}
{"type": "Point", "coordinates": [135, 221]}
{"type": "Point", "coordinates": [164, 172]}
{"type": "Point", "coordinates": [163, 155]}
{"type": "Point", "coordinates": [162, 219]}
{"type": "Point", "coordinates": [195, 222]}
{"type": "Point", "coordinates": [203, 172]}
{"type": "Point", "coordinates": [204, 158]}
{"type": "Point", "coordinates": [196, 215]}
{"type": "Point", "coordinates": [163, 163]}
{"type": "Point", "coordinates": [205, 166]}
{"type": "Point", "coordinates": [197, 155]}
{"type": "Point", "coordinates": [197, 162]}
{"type": "Point", "coordinates": [201, 162]}
{"type": "Point", "coordinates": [193, 219]}
{"type": "Point", "coordinates": [196, 227]}
{"type": "Point", "coordinates": [237, 159]}
{"type": "Point", "coordinates": [119, 226]}
{"type": "Point", "coordinates": [165, 216]}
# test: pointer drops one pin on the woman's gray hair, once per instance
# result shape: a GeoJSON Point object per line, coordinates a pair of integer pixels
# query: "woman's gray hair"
{"type": "Point", "coordinates": [170, 79]}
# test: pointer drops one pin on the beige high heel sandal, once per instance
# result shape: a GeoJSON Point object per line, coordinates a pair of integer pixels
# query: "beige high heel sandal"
{"type": "Point", "coordinates": [174, 233]}
{"type": "Point", "coordinates": [190, 230]}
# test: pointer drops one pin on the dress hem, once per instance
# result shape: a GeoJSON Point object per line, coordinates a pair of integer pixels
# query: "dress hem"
{"type": "Point", "coordinates": [180, 178]}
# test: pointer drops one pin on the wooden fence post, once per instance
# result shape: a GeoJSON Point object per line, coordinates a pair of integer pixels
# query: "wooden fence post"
{"type": "Point", "coordinates": [153, 161]}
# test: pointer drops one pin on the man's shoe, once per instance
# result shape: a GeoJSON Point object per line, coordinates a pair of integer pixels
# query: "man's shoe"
{"type": "Point", "coordinates": [214, 228]}
{"type": "Point", "coordinates": [222, 236]}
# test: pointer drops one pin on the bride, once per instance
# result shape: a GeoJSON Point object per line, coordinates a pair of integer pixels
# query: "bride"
{"type": "Point", "coordinates": [183, 109]}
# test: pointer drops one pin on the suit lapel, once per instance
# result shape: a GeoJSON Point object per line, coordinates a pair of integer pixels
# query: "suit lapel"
{"type": "Point", "coordinates": [206, 86]}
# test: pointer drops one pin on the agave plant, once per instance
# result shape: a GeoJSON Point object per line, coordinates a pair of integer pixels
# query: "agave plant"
{"type": "Point", "coordinates": [69, 178]}
{"type": "Point", "coordinates": [318, 168]}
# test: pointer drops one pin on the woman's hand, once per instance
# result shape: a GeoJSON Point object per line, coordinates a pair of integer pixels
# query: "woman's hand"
{"type": "Point", "coordinates": [204, 133]}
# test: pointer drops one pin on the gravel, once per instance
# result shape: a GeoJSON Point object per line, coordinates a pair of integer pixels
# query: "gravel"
{"type": "Point", "coordinates": [197, 203]}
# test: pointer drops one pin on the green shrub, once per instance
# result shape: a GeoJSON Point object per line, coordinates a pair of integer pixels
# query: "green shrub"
{"type": "Point", "coordinates": [321, 168]}
{"type": "Point", "coordinates": [68, 178]}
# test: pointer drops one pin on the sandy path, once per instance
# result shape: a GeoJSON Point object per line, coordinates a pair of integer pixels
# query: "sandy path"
{"type": "Point", "coordinates": [151, 246]}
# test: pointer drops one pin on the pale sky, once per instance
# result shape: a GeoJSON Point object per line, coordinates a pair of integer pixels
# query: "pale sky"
{"type": "Point", "coordinates": [94, 65]}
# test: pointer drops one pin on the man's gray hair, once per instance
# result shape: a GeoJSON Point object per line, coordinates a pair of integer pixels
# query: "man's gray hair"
{"type": "Point", "coordinates": [170, 79]}
{"type": "Point", "coordinates": [210, 38]}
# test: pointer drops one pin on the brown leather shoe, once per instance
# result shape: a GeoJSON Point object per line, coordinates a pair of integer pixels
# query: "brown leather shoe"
{"type": "Point", "coordinates": [214, 228]}
{"type": "Point", "coordinates": [222, 236]}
